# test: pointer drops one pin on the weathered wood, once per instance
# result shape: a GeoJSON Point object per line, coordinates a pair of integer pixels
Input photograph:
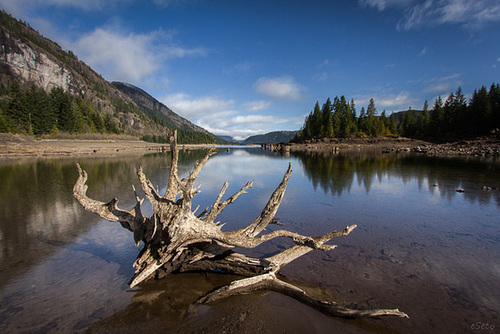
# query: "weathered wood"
{"type": "Point", "coordinates": [175, 239]}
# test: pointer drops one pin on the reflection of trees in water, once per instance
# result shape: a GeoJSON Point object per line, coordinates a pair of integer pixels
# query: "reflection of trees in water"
{"type": "Point", "coordinates": [37, 208]}
{"type": "Point", "coordinates": [335, 173]}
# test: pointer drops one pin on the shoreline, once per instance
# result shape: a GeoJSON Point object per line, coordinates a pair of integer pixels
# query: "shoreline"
{"type": "Point", "coordinates": [484, 146]}
{"type": "Point", "coordinates": [16, 146]}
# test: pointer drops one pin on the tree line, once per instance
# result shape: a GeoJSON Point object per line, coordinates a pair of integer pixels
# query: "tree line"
{"type": "Point", "coordinates": [339, 119]}
{"type": "Point", "coordinates": [34, 111]}
{"type": "Point", "coordinates": [455, 117]}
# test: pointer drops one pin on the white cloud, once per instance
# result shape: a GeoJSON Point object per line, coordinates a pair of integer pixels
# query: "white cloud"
{"type": "Point", "coordinates": [190, 107]}
{"type": "Point", "coordinates": [280, 88]}
{"type": "Point", "coordinates": [220, 116]}
{"type": "Point", "coordinates": [130, 57]}
{"type": "Point", "coordinates": [240, 127]}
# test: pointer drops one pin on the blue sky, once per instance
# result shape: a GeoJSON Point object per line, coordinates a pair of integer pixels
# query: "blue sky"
{"type": "Point", "coordinates": [245, 67]}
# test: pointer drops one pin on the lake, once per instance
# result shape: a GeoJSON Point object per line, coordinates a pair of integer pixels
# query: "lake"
{"type": "Point", "coordinates": [420, 245]}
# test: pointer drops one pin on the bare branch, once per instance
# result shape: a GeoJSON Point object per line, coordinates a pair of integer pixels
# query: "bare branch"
{"type": "Point", "coordinates": [269, 281]}
{"type": "Point", "coordinates": [288, 255]}
{"type": "Point", "coordinates": [217, 207]}
{"type": "Point", "coordinates": [131, 219]}
{"type": "Point", "coordinates": [267, 215]}
{"type": "Point", "coordinates": [172, 190]}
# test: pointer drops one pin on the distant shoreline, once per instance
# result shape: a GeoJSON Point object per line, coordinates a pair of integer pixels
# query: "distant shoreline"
{"type": "Point", "coordinates": [483, 146]}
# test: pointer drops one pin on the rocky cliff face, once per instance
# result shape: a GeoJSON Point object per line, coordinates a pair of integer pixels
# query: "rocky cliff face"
{"type": "Point", "coordinates": [30, 65]}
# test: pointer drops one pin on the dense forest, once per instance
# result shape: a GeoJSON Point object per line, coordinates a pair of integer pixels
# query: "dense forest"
{"type": "Point", "coordinates": [454, 118]}
{"type": "Point", "coordinates": [33, 111]}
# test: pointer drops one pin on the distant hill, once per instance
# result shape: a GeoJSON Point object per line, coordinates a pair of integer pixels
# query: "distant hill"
{"type": "Point", "coordinates": [274, 137]}
{"type": "Point", "coordinates": [44, 89]}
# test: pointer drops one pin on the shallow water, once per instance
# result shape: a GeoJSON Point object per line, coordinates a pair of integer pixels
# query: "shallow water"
{"type": "Point", "coordinates": [420, 245]}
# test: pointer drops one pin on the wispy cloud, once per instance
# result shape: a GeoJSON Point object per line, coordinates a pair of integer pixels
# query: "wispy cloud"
{"type": "Point", "coordinates": [443, 85]}
{"type": "Point", "coordinates": [423, 52]}
{"type": "Point", "coordinates": [280, 88]}
{"type": "Point", "coordinates": [22, 7]}
{"type": "Point", "coordinates": [255, 106]}
{"type": "Point", "coordinates": [129, 57]}
{"type": "Point", "coordinates": [383, 4]}
{"type": "Point", "coordinates": [418, 13]}
{"type": "Point", "coordinates": [389, 102]}
{"type": "Point", "coordinates": [167, 3]}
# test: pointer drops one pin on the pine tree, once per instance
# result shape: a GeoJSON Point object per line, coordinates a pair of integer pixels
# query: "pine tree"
{"type": "Point", "coordinates": [424, 121]}
{"type": "Point", "coordinates": [327, 118]}
{"type": "Point", "coordinates": [494, 101]}
{"type": "Point", "coordinates": [317, 121]}
{"type": "Point", "coordinates": [371, 112]}
{"type": "Point", "coordinates": [437, 117]}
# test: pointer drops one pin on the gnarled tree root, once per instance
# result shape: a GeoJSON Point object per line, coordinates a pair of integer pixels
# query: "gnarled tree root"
{"type": "Point", "coordinates": [176, 239]}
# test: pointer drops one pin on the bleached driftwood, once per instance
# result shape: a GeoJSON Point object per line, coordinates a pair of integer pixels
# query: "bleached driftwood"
{"type": "Point", "coordinates": [176, 239]}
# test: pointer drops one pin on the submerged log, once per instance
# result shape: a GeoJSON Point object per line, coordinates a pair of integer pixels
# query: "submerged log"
{"type": "Point", "coordinates": [176, 239]}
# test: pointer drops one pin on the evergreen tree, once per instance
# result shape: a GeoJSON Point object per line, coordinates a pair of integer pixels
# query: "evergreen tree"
{"type": "Point", "coordinates": [371, 112]}
{"type": "Point", "coordinates": [437, 117]}
{"type": "Point", "coordinates": [494, 100]}
{"type": "Point", "coordinates": [317, 121]}
{"type": "Point", "coordinates": [424, 122]}
{"type": "Point", "coordinates": [479, 111]}
{"type": "Point", "coordinates": [62, 103]}
{"type": "Point", "coordinates": [362, 122]}
{"type": "Point", "coordinates": [327, 119]}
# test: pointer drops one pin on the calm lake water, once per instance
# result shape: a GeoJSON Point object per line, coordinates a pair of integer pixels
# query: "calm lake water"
{"type": "Point", "coordinates": [420, 245]}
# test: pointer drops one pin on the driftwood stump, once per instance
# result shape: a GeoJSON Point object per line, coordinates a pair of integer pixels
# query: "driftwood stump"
{"type": "Point", "coordinates": [176, 239]}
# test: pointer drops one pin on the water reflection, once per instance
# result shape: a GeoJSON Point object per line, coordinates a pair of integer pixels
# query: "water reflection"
{"type": "Point", "coordinates": [416, 247]}
{"type": "Point", "coordinates": [336, 173]}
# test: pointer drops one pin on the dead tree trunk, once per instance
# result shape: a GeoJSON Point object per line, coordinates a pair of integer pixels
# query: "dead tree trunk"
{"type": "Point", "coordinates": [176, 239]}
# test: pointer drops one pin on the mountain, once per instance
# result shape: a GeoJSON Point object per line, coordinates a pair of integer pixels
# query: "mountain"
{"type": "Point", "coordinates": [165, 116]}
{"type": "Point", "coordinates": [44, 89]}
{"type": "Point", "coordinates": [275, 137]}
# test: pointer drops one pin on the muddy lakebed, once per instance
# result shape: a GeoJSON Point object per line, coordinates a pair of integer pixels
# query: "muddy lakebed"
{"type": "Point", "coordinates": [420, 245]}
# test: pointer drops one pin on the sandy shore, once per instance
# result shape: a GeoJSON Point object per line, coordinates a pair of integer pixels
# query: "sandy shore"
{"type": "Point", "coordinates": [22, 146]}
